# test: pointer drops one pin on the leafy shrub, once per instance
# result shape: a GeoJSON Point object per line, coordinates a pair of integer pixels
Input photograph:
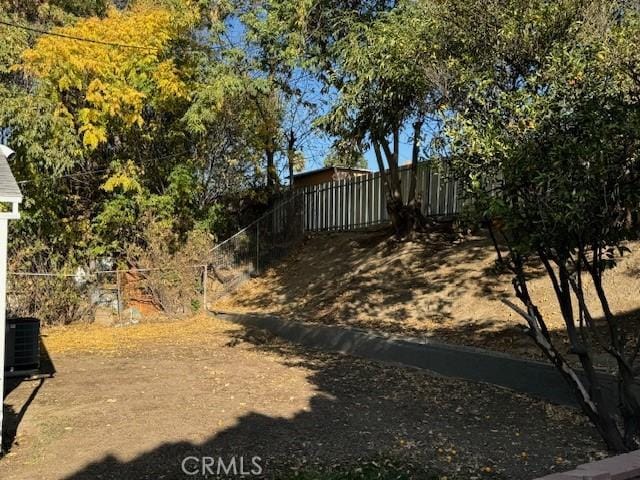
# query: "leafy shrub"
{"type": "Point", "coordinates": [167, 273]}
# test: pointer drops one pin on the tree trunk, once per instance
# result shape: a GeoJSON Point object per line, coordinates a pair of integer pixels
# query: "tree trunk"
{"type": "Point", "coordinates": [272, 177]}
{"type": "Point", "coordinates": [599, 408]}
{"type": "Point", "coordinates": [414, 202]}
{"type": "Point", "coordinates": [407, 217]}
{"type": "Point", "coordinates": [291, 142]}
{"type": "Point", "coordinates": [394, 206]}
{"type": "Point", "coordinates": [415, 157]}
{"type": "Point", "coordinates": [627, 384]}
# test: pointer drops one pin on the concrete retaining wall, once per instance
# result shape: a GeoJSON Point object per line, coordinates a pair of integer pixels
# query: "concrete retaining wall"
{"type": "Point", "coordinates": [534, 378]}
{"type": "Point", "coordinates": [620, 467]}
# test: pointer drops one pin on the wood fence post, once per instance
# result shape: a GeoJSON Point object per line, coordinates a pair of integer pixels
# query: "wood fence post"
{"type": "Point", "coordinates": [205, 278]}
{"type": "Point", "coordinates": [258, 247]}
{"type": "Point", "coordinates": [118, 296]}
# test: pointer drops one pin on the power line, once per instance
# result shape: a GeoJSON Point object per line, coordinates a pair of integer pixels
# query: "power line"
{"type": "Point", "coordinates": [79, 39]}
{"type": "Point", "coordinates": [103, 170]}
{"type": "Point", "coordinates": [99, 42]}
{"type": "Point", "coordinates": [56, 177]}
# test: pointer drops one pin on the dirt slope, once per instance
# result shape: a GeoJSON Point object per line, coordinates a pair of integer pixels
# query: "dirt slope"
{"type": "Point", "coordinates": [439, 286]}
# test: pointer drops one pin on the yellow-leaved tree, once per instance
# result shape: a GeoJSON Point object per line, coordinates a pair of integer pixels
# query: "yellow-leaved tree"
{"type": "Point", "coordinates": [124, 66]}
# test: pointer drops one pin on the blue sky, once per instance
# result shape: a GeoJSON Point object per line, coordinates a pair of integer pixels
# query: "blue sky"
{"type": "Point", "coordinates": [317, 145]}
{"type": "Point", "coordinates": [405, 155]}
{"type": "Point", "coordinates": [314, 161]}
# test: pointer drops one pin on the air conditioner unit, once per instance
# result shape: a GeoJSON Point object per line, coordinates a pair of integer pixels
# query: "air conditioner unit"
{"type": "Point", "coordinates": [22, 346]}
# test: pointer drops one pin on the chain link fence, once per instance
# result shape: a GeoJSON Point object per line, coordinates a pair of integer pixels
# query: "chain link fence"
{"type": "Point", "coordinates": [126, 296]}
{"type": "Point", "coordinates": [256, 247]}
{"type": "Point", "coordinates": [52, 298]}
{"type": "Point", "coordinates": [106, 297]}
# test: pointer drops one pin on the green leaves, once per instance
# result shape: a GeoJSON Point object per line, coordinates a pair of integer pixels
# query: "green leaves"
{"type": "Point", "coordinates": [105, 135]}
{"type": "Point", "coordinates": [557, 130]}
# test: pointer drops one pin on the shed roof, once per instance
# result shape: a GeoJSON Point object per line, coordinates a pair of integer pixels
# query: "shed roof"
{"type": "Point", "coordinates": [9, 190]}
{"type": "Point", "coordinates": [336, 168]}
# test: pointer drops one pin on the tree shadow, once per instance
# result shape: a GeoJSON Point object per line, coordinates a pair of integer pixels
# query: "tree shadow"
{"type": "Point", "coordinates": [441, 286]}
{"type": "Point", "coordinates": [363, 411]}
{"type": "Point", "coordinates": [13, 417]}
{"type": "Point", "coordinates": [438, 285]}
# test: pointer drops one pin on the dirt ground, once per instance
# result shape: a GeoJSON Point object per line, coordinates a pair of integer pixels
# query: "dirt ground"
{"type": "Point", "coordinates": [133, 402]}
{"type": "Point", "coordinates": [440, 286]}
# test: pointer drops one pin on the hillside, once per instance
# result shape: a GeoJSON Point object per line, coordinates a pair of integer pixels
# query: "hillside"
{"type": "Point", "coordinates": [440, 286]}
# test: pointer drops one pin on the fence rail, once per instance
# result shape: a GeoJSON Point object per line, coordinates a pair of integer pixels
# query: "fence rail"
{"type": "Point", "coordinates": [258, 245]}
{"type": "Point", "coordinates": [125, 296]}
{"type": "Point", "coordinates": [360, 202]}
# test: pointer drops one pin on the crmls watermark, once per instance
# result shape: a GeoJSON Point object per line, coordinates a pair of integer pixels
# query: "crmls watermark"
{"type": "Point", "coordinates": [234, 466]}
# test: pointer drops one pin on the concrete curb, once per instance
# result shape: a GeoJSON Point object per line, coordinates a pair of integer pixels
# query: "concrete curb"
{"type": "Point", "coordinates": [620, 467]}
{"type": "Point", "coordinates": [531, 377]}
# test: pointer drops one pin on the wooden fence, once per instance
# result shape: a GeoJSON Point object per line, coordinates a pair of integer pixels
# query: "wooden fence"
{"type": "Point", "coordinates": [360, 202]}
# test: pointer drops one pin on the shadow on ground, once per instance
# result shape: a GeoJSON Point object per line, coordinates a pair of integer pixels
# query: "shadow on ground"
{"type": "Point", "coordinates": [442, 286]}
{"type": "Point", "coordinates": [364, 411]}
{"type": "Point", "coordinates": [433, 283]}
{"type": "Point", "coordinates": [12, 417]}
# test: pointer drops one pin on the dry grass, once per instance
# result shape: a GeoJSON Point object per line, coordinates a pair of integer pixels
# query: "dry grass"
{"type": "Point", "coordinates": [440, 286]}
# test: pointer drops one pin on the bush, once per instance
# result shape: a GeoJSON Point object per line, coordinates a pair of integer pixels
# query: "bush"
{"type": "Point", "coordinates": [54, 300]}
{"type": "Point", "coordinates": [167, 274]}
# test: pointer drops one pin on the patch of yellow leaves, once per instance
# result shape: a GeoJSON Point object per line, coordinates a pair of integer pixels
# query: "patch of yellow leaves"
{"type": "Point", "coordinates": [92, 338]}
{"type": "Point", "coordinates": [102, 83]}
{"type": "Point", "coordinates": [125, 178]}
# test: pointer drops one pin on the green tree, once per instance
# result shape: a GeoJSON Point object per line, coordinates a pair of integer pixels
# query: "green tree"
{"type": "Point", "coordinates": [162, 103]}
{"type": "Point", "coordinates": [229, 131]}
{"type": "Point", "coordinates": [46, 142]}
{"type": "Point", "coordinates": [105, 105]}
{"type": "Point", "coordinates": [346, 153]}
{"type": "Point", "coordinates": [273, 55]}
{"type": "Point", "coordinates": [543, 133]}
{"type": "Point", "coordinates": [366, 55]}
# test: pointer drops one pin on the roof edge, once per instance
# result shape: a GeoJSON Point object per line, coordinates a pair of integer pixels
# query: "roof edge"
{"type": "Point", "coordinates": [334, 168]}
